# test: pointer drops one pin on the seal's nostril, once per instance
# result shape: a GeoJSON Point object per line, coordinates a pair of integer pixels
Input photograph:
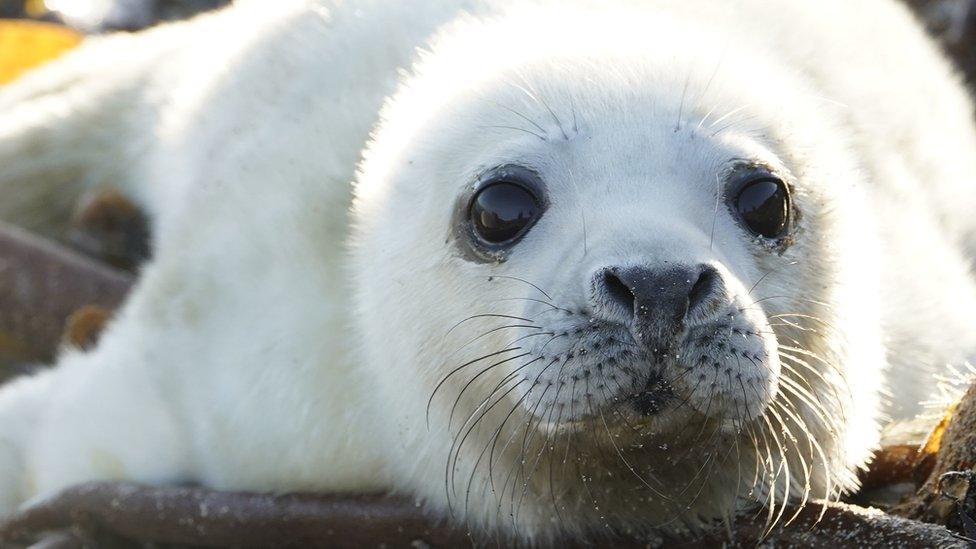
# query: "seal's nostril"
{"type": "Point", "coordinates": [618, 291]}
{"type": "Point", "coordinates": [705, 286]}
{"type": "Point", "coordinates": [658, 300]}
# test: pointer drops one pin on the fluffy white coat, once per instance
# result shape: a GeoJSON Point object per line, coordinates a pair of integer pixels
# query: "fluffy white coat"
{"type": "Point", "coordinates": [287, 336]}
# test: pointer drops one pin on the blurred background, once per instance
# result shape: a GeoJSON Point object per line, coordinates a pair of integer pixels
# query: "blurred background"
{"type": "Point", "coordinates": [952, 21]}
{"type": "Point", "coordinates": [105, 15]}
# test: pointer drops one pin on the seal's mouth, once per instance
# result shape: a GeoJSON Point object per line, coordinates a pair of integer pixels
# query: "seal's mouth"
{"type": "Point", "coordinates": [656, 396]}
{"type": "Point", "coordinates": [720, 369]}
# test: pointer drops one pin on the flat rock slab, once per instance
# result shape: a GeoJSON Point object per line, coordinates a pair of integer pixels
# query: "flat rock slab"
{"type": "Point", "coordinates": [126, 514]}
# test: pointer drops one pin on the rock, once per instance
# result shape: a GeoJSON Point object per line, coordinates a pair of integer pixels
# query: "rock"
{"type": "Point", "coordinates": [948, 496]}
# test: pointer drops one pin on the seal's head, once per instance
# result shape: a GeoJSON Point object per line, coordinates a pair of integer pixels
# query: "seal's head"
{"type": "Point", "coordinates": [607, 283]}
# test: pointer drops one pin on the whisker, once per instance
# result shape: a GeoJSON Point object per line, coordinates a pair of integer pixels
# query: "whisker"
{"type": "Point", "coordinates": [627, 464]}
{"type": "Point", "coordinates": [728, 114]}
{"type": "Point", "coordinates": [452, 466]}
{"type": "Point", "coordinates": [542, 450]}
{"type": "Point", "coordinates": [552, 490]}
{"type": "Point", "coordinates": [487, 315]}
{"type": "Point", "coordinates": [793, 297]}
{"type": "Point", "coordinates": [516, 128]}
{"type": "Point", "coordinates": [450, 420]}
{"type": "Point", "coordinates": [763, 277]}
{"type": "Point", "coordinates": [732, 124]}
{"type": "Point", "coordinates": [787, 478]}
{"type": "Point", "coordinates": [491, 331]}
{"type": "Point", "coordinates": [530, 427]}
{"type": "Point", "coordinates": [828, 474]}
{"type": "Point", "coordinates": [718, 200]}
{"type": "Point", "coordinates": [542, 301]}
{"type": "Point", "coordinates": [508, 277]}
{"type": "Point", "coordinates": [458, 369]}
{"type": "Point", "coordinates": [799, 455]}
{"type": "Point", "coordinates": [492, 440]}
{"type": "Point", "coordinates": [522, 116]}
{"type": "Point", "coordinates": [527, 336]}
{"type": "Point", "coordinates": [511, 437]}
{"type": "Point", "coordinates": [552, 113]}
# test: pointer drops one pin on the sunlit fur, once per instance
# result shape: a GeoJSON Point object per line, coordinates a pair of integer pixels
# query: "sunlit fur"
{"type": "Point", "coordinates": [296, 332]}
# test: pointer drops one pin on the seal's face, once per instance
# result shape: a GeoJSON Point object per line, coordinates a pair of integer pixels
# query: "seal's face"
{"type": "Point", "coordinates": [652, 329]}
{"type": "Point", "coordinates": [610, 289]}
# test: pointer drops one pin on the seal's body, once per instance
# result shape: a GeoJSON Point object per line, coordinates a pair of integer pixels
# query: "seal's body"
{"type": "Point", "coordinates": [606, 267]}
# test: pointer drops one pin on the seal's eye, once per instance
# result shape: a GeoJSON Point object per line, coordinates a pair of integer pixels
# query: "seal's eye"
{"type": "Point", "coordinates": [764, 206]}
{"type": "Point", "coordinates": [503, 210]}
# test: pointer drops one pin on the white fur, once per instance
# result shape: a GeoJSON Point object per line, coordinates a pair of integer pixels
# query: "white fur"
{"type": "Point", "coordinates": [256, 353]}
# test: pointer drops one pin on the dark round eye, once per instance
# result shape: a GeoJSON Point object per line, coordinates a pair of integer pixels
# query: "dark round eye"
{"type": "Point", "coordinates": [764, 206]}
{"type": "Point", "coordinates": [502, 211]}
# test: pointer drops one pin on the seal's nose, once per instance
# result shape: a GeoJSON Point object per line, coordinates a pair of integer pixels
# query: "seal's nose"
{"type": "Point", "coordinates": [656, 301]}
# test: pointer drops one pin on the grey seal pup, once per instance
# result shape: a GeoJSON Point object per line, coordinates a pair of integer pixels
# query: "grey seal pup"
{"type": "Point", "coordinates": [581, 269]}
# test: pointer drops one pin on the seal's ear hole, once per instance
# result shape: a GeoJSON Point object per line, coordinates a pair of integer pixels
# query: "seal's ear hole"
{"type": "Point", "coordinates": [763, 205]}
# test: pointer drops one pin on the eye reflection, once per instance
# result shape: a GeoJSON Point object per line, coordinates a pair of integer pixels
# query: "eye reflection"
{"type": "Point", "coordinates": [502, 211]}
{"type": "Point", "coordinates": [764, 207]}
